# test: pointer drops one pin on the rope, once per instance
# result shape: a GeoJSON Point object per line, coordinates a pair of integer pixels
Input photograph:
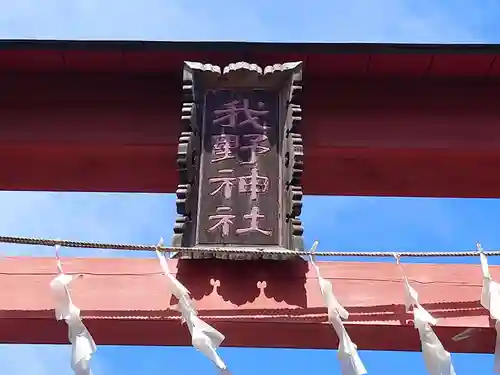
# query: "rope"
{"type": "Point", "coordinates": [272, 251]}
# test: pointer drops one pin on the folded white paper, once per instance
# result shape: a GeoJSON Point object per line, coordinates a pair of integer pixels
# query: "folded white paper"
{"type": "Point", "coordinates": [437, 359]}
{"type": "Point", "coordinates": [204, 337]}
{"type": "Point", "coordinates": [350, 363]}
{"type": "Point", "coordinates": [174, 285]}
{"type": "Point", "coordinates": [490, 300]}
{"type": "Point", "coordinates": [82, 343]}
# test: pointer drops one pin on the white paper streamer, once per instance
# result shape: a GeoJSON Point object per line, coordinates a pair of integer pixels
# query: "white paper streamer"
{"type": "Point", "coordinates": [204, 337]}
{"type": "Point", "coordinates": [437, 359]}
{"type": "Point", "coordinates": [82, 344]}
{"type": "Point", "coordinates": [350, 363]}
{"type": "Point", "coordinates": [175, 287]}
{"type": "Point", "coordinates": [490, 299]}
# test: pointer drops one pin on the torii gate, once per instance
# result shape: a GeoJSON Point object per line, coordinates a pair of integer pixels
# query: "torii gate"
{"type": "Point", "coordinates": [386, 120]}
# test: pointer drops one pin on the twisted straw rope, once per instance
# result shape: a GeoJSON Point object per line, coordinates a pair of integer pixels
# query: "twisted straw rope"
{"type": "Point", "coordinates": [272, 251]}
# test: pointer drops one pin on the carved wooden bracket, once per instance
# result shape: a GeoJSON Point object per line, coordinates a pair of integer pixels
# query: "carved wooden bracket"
{"type": "Point", "coordinates": [294, 163]}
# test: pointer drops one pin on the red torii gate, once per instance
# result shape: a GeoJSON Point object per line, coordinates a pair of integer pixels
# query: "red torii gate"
{"type": "Point", "coordinates": [387, 120]}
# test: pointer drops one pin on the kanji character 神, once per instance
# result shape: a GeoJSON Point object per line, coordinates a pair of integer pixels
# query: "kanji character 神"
{"type": "Point", "coordinates": [253, 184]}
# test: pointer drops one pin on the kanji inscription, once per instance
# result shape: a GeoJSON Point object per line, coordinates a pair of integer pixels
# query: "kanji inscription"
{"type": "Point", "coordinates": [240, 161]}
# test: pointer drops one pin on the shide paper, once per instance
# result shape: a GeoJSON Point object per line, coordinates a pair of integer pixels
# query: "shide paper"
{"type": "Point", "coordinates": [204, 337]}
{"type": "Point", "coordinates": [437, 359]}
{"type": "Point", "coordinates": [490, 300]}
{"type": "Point", "coordinates": [174, 286]}
{"type": "Point", "coordinates": [82, 344]}
{"type": "Point", "coordinates": [350, 363]}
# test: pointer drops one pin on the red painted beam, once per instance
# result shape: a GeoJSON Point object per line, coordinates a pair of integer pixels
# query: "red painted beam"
{"type": "Point", "coordinates": [255, 304]}
{"type": "Point", "coordinates": [118, 132]}
{"type": "Point", "coordinates": [332, 59]}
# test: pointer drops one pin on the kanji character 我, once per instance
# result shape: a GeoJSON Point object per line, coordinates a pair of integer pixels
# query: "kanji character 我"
{"type": "Point", "coordinates": [229, 116]}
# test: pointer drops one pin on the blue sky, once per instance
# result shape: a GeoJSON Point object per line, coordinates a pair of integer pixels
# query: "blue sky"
{"type": "Point", "coordinates": [352, 224]}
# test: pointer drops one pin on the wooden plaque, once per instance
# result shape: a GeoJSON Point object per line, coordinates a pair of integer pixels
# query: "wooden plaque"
{"type": "Point", "coordinates": [240, 159]}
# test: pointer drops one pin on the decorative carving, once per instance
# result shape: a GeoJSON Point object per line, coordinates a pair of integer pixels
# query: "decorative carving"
{"type": "Point", "coordinates": [297, 232]}
{"type": "Point", "coordinates": [294, 163]}
{"type": "Point", "coordinates": [186, 164]}
{"type": "Point", "coordinates": [240, 159]}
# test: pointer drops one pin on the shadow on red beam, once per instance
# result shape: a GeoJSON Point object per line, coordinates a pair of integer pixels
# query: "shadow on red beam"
{"type": "Point", "coordinates": [255, 304]}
